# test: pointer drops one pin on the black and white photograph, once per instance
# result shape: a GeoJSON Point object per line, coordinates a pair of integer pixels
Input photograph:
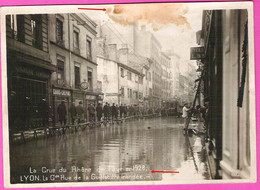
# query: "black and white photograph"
{"type": "Point", "coordinates": [128, 94]}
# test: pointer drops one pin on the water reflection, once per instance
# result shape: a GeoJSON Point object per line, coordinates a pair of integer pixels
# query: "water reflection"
{"type": "Point", "coordinates": [121, 152]}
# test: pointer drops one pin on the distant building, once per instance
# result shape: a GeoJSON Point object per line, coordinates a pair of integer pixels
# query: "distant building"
{"type": "Point", "coordinates": [166, 77]}
{"type": "Point", "coordinates": [143, 43]}
{"type": "Point", "coordinates": [122, 84]}
{"type": "Point", "coordinates": [175, 68]}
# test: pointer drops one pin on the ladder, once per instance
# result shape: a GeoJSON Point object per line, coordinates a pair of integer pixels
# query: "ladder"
{"type": "Point", "coordinates": [194, 101]}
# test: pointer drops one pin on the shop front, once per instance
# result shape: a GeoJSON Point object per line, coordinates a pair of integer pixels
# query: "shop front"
{"type": "Point", "coordinates": [28, 97]}
{"type": "Point", "coordinates": [77, 97]}
{"type": "Point", "coordinates": [60, 95]}
{"type": "Point", "coordinates": [90, 99]}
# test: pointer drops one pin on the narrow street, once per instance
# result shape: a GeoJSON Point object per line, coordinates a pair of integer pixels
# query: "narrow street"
{"type": "Point", "coordinates": [119, 152]}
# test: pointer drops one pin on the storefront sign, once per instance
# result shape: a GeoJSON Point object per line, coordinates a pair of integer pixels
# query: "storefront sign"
{"type": "Point", "coordinates": [197, 53]}
{"type": "Point", "coordinates": [31, 72]}
{"type": "Point", "coordinates": [90, 97]}
{"type": "Point", "coordinates": [60, 92]}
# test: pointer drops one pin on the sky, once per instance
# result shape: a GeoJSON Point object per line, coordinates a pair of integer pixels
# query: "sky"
{"type": "Point", "coordinates": [174, 36]}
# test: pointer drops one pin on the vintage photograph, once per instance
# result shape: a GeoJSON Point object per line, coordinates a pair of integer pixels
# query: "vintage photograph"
{"type": "Point", "coordinates": [128, 94]}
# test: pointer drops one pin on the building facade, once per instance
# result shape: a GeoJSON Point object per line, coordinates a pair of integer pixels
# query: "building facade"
{"type": "Point", "coordinates": [143, 43]}
{"type": "Point", "coordinates": [73, 51]}
{"type": "Point", "coordinates": [29, 68]}
{"type": "Point", "coordinates": [225, 38]}
{"type": "Point", "coordinates": [122, 84]}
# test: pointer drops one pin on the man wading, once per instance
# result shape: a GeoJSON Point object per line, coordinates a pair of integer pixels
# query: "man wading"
{"type": "Point", "coordinates": [185, 115]}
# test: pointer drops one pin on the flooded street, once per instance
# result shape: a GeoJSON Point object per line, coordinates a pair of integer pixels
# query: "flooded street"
{"type": "Point", "coordinates": [119, 152]}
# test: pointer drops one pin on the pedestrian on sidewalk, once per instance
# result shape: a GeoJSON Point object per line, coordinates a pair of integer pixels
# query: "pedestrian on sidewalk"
{"type": "Point", "coordinates": [116, 111]}
{"type": "Point", "coordinates": [109, 111]}
{"type": "Point", "coordinates": [99, 111]}
{"type": "Point", "coordinates": [121, 109]}
{"type": "Point", "coordinates": [73, 112]}
{"type": "Point", "coordinates": [80, 112]}
{"type": "Point", "coordinates": [113, 110]}
{"type": "Point", "coordinates": [125, 110]}
{"type": "Point", "coordinates": [62, 112]}
{"type": "Point", "coordinates": [105, 110]}
{"type": "Point", "coordinates": [91, 111]}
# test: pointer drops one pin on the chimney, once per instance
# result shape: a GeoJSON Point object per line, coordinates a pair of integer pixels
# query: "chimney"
{"type": "Point", "coordinates": [112, 52]}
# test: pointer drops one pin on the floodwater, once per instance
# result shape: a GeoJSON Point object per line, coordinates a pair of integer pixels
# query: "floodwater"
{"type": "Point", "coordinates": [120, 152]}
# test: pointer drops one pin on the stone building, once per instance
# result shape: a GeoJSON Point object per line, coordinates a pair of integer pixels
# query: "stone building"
{"type": "Point", "coordinates": [141, 42]}
{"type": "Point", "coordinates": [29, 68]}
{"type": "Point", "coordinates": [122, 84]}
{"type": "Point", "coordinates": [227, 89]}
{"type": "Point", "coordinates": [73, 51]}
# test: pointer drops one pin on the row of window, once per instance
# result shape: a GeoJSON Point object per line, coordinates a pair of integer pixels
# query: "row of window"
{"type": "Point", "coordinates": [76, 41]}
{"type": "Point", "coordinates": [18, 29]}
{"type": "Point", "coordinates": [77, 79]}
{"type": "Point", "coordinates": [131, 93]}
{"type": "Point", "coordinates": [137, 79]}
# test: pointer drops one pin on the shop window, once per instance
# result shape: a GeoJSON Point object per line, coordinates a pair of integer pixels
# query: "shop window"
{"type": "Point", "coordinates": [28, 104]}
{"type": "Point", "coordinates": [76, 42]}
{"type": "Point", "coordinates": [59, 32]}
{"type": "Point", "coordinates": [90, 79]}
{"type": "Point", "coordinates": [36, 28]}
{"type": "Point", "coordinates": [88, 48]}
{"type": "Point", "coordinates": [77, 76]}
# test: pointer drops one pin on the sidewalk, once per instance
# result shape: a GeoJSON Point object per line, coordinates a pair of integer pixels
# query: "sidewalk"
{"type": "Point", "coordinates": [45, 132]}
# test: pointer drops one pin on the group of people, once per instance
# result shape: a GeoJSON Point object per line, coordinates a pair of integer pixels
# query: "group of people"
{"type": "Point", "coordinates": [76, 113]}
{"type": "Point", "coordinates": [114, 111]}
{"type": "Point", "coordinates": [107, 112]}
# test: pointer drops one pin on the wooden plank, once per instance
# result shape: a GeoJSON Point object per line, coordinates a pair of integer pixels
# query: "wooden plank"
{"type": "Point", "coordinates": [44, 30]}
{"type": "Point", "coordinates": [28, 38]}
{"type": "Point", "coordinates": [27, 27]}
